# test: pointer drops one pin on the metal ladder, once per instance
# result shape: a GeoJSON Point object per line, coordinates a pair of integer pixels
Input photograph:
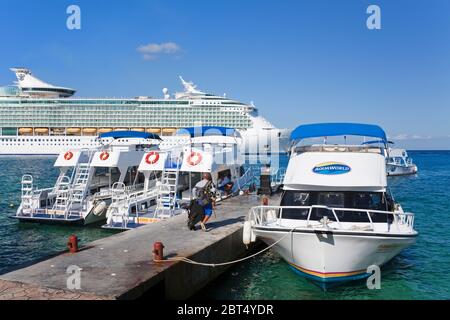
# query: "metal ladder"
{"type": "Point", "coordinates": [247, 178]}
{"type": "Point", "coordinates": [62, 190]}
{"type": "Point", "coordinates": [166, 201]}
{"type": "Point", "coordinates": [79, 187]}
{"type": "Point", "coordinates": [120, 204]}
{"type": "Point", "coordinates": [27, 194]}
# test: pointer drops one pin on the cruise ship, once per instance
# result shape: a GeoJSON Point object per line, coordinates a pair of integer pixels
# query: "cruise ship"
{"type": "Point", "coordinates": [37, 118]}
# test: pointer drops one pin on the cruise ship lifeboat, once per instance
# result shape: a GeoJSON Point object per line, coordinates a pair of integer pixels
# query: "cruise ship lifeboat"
{"type": "Point", "coordinates": [91, 131]}
{"type": "Point", "coordinates": [23, 131]}
{"type": "Point", "coordinates": [42, 131]}
{"type": "Point", "coordinates": [73, 130]}
{"type": "Point", "coordinates": [105, 130]}
{"type": "Point", "coordinates": [154, 130]}
{"type": "Point", "coordinates": [168, 131]}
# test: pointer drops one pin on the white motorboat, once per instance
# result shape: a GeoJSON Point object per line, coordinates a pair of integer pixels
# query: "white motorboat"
{"type": "Point", "coordinates": [213, 150]}
{"type": "Point", "coordinates": [83, 190]}
{"type": "Point", "coordinates": [399, 163]}
{"type": "Point", "coordinates": [337, 217]}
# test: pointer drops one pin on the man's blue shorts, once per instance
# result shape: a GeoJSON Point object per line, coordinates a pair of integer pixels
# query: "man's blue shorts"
{"type": "Point", "coordinates": [208, 210]}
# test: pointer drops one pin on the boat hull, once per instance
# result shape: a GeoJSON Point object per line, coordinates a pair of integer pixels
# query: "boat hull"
{"type": "Point", "coordinates": [329, 257]}
{"type": "Point", "coordinates": [47, 219]}
{"type": "Point", "coordinates": [396, 170]}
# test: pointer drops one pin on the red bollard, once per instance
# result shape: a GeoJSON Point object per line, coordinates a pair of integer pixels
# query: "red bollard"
{"type": "Point", "coordinates": [73, 244]}
{"type": "Point", "coordinates": [265, 201]}
{"type": "Point", "coordinates": [158, 253]}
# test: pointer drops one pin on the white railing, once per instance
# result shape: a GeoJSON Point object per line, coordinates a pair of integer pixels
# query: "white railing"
{"type": "Point", "coordinates": [278, 176]}
{"type": "Point", "coordinates": [247, 178]}
{"type": "Point", "coordinates": [265, 215]}
{"type": "Point", "coordinates": [51, 213]}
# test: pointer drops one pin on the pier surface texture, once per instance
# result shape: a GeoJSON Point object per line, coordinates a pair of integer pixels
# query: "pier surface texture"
{"type": "Point", "coordinates": [122, 266]}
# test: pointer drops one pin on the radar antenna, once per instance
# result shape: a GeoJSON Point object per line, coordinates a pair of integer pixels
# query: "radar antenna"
{"type": "Point", "coordinates": [166, 93]}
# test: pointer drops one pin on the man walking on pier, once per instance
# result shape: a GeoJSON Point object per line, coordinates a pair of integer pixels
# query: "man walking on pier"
{"type": "Point", "coordinates": [204, 193]}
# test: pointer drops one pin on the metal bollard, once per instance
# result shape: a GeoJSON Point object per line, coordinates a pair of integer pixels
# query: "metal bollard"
{"type": "Point", "coordinates": [158, 251]}
{"type": "Point", "coordinates": [72, 244]}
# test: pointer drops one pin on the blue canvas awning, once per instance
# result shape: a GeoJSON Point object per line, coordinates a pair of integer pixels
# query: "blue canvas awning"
{"type": "Point", "coordinates": [338, 129]}
{"type": "Point", "coordinates": [129, 134]}
{"type": "Point", "coordinates": [208, 131]}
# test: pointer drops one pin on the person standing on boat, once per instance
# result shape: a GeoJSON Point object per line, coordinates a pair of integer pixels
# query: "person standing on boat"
{"type": "Point", "coordinates": [204, 193]}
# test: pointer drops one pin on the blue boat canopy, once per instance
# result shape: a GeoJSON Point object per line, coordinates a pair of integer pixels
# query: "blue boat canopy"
{"type": "Point", "coordinates": [129, 134]}
{"type": "Point", "coordinates": [208, 131]}
{"type": "Point", "coordinates": [338, 129]}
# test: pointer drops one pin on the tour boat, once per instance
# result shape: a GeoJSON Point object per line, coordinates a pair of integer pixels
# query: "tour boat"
{"type": "Point", "coordinates": [83, 190]}
{"type": "Point", "coordinates": [213, 150]}
{"type": "Point", "coordinates": [337, 218]}
{"type": "Point", "coordinates": [399, 163]}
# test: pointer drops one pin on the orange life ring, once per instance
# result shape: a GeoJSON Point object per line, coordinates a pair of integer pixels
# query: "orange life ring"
{"type": "Point", "coordinates": [194, 158]}
{"type": "Point", "coordinates": [152, 157]}
{"type": "Point", "coordinates": [68, 156]}
{"type": "Point", "coordinates": [104, 156]}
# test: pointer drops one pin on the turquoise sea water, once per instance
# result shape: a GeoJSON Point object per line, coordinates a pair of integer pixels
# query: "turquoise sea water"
{"type": "Point", "coordinates": [420, 272]}
{"type": "Point", "coordinates": [22, 243]}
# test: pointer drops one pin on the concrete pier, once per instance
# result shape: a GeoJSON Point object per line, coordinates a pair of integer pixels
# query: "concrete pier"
{"type": "Point", "coordinates": [122, 267]}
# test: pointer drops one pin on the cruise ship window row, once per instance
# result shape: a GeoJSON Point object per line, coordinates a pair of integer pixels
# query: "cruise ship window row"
{"type": "Point", "coordinates": [38, 140]}
{"type": "Point", "coordinates": [126, 124]}
{"type": "Point", "coordinates": [112, 108]}
{"type": "Point", "coordinates": [94, 102]}
{"type": "Point", "coordinates": [123, 113]}
{"type": "Point", "coordinates": [93, 119]}
{"type": "Point", "coordinates": [73, 118]}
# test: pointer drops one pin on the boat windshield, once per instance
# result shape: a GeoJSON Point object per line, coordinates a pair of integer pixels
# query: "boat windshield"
{"type": "Point", "coordinates": [336, 199]}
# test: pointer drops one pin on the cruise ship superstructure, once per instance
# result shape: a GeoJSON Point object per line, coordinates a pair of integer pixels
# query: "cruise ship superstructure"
{"type": "Point", "coordinates": [37, 118]}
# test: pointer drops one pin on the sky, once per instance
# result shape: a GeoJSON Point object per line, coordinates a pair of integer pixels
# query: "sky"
{"type": "Point", "coordinates": [298, 61]}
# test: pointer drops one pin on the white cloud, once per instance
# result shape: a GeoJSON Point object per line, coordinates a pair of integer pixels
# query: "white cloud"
{"type": "Point", "coordinates": [404, 136]}
{"type": "Point", "coordinates": [401, 136]}
{"type": "Point", "coordinates": [152, 51]}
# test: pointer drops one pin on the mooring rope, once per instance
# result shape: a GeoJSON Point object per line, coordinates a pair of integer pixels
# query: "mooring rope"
{"type": "Point", "coordinates": [213, 265]}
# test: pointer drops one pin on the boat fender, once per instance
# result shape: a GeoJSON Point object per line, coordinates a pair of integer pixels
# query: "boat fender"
{"type": "Point", "coordinates": [99, 208]}
{"type": "Point", "coordinates": [109, 218]}
{"type": "Point", "coordinates": [253, 234]}
{"type": "Point", "coordinates": [247, 233]}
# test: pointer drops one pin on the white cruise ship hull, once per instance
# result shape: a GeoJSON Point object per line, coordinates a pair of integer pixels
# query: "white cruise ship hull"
{"type": "Point", "coordinates": [264, 142]}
